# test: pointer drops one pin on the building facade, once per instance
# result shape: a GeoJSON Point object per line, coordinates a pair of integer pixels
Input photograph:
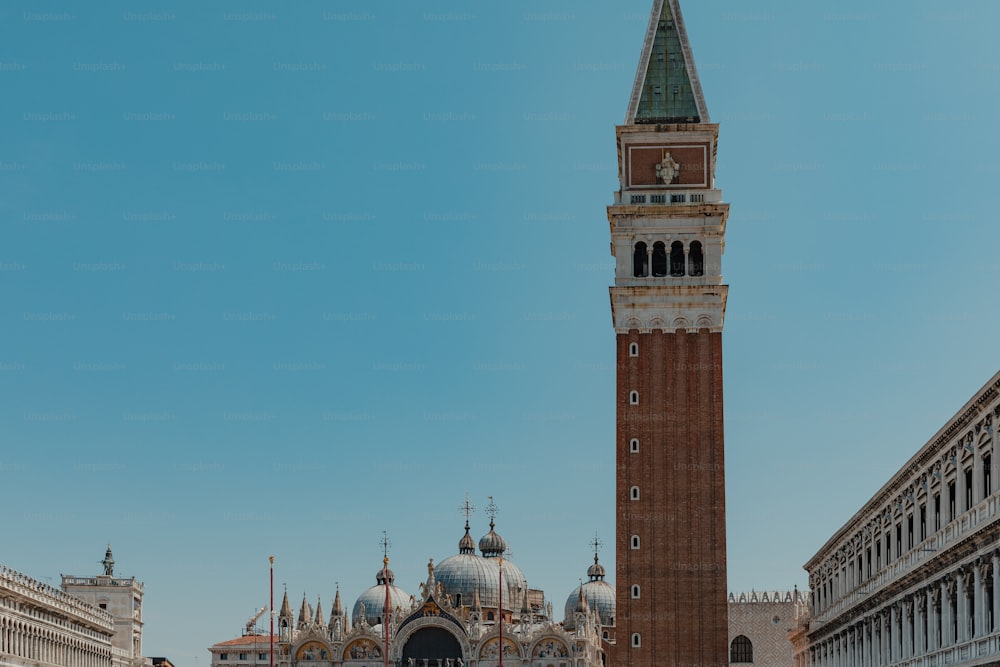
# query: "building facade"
{"type": "Point", "coordinates": [668, 303]}
{"type": "Point", "coordinates": [759, 623]}
{"type": "Point", "coordinates": [914, 577]}
{"type": "Point", "coordinates": [41, 625]}
{"type": "Point", "coordinates": [122, 598]}
{"type": "Point", "coordinates": [90, 622]}
{"type": "Point", "coordinates": [470, 606]}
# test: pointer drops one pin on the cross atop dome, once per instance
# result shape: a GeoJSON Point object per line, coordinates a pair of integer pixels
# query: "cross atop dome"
{"type": "Point", "coordinates": [491, 511]}
{"type": "Point", "coordinates": [597, 543]}
{"type": "Point", "coordinates": [467, 508]}
{"type": "Point", "coordinates": [666, 89]}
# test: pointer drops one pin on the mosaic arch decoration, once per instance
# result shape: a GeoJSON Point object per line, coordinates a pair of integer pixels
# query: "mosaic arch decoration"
{"type": "Point", "coordinates": [362, 649]}
{"type": "Point", "coordinates": [313, 651]}
{"type": "Point", "coordinates": [550, 648]}
{"type": "Point", "coordinates": [490, 648]}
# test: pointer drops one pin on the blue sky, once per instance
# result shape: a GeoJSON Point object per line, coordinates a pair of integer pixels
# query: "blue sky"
{"type": "Point", "coordinates": [276, 277]}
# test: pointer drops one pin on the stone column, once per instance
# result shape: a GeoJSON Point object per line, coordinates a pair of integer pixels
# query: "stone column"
{"type": "Point", "coordinates": [995, 557]}
{"type": "Point", "coordinates": [962, 607]}
{"type": "Point", "coordinates": [919, 619]}
{"type": "Point", "coordinates": [945, 610]}
{"type": "Point", "coordinates": [907, 635]}
{"type": "Point", "coordinates": [980, 592]}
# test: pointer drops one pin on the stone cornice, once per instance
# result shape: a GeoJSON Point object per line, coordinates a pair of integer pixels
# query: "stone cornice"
{"type": "Point", "coordinates": [669, 308]}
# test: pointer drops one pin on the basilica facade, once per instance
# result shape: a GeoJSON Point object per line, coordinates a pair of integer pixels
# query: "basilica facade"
{"type": "Point", "coordinates": [473, 610]}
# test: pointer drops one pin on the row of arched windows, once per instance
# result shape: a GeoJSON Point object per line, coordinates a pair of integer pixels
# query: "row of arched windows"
{"type": "Point", "coordinates": [658, 263]}
{"type": "Point", "coordinates": [30, 641]}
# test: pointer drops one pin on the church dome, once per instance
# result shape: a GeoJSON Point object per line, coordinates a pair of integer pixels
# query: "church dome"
{"type": "Point", "coordinates": [599, 595]}
{"type": "Point", "coordinates": [372, 601]}
{"type": "Point", "coordinates": [463, 574]}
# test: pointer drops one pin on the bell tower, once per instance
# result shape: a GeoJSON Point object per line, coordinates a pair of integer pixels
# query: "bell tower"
{"type": "Point", "coordinates": [668, 303]}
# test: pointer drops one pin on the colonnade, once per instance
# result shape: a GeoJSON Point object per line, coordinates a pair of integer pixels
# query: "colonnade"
{"type": "Point", "coordinates": [953, 609]}
{"type": "Point", "coordinates": [22, 639]}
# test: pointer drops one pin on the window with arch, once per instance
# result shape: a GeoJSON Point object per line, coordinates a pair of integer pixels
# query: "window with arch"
{"type": "Point", "coordinates": [635, 591]}
{"type": "Point", "coordinates": [633, 349]}
{"type": "Point", "coordinates": [741, 650]}
{"type": "Point", "coordinates": [635, 542]}
{"type": "Point", "coordinates": [634, 445]}
{"type": "Point", "coordinates": [659, 259]}
{"type": "Point", "coordinates": [634, 493]}
{"type": "Point", "coordinates": [636, 640]}
{"type": "Point", "coordinates": [633, 398]}
{"type": "Point", "coordinates": [676, 259]}
{"type": "Point", "coordinates": [640, 261]}
{"type": "Point", "coordinates": [490, 616]}
{"type": "Point", "coordinates": [696, 259]}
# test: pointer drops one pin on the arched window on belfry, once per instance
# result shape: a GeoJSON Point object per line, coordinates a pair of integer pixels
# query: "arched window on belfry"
{"type": "Point", "coordinates": [640, 261]}
{"type": "Point", "coordinates": [741, 650]}
{"type": "Point", "coordinates": [697, 260]}
{"type": "Point", "coordinates": [676, 259]}
{"type": "Point", "coordinates": [659, 259]}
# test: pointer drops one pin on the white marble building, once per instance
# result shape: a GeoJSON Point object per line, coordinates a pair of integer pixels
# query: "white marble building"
{"type": "Point", "coordinates": [41, 625]}
{"type": "Point", "coordinates": [914, 577]}
{"type": "Point", "coordinates": [90, 622]}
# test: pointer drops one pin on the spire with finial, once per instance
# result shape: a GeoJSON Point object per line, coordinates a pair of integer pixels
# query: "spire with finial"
{"type": "Point", "coordinates": [666, 89]}
{"type": "Point", "coordinates": [108, 562]}
{"type": "Point", "coordinates": [582, 606]}
{"type": "Point", "coordinates": [338, 606]}
{"type": "Point", "coordinates": [491, 544]}
{"type": "Point", "coordinates": [304, 614]}
{"type": "Point", "coordinates": [286, 609]}
{"type": "Point", "coordinates": [467, 545]}
{"type": "Point", "coordinates": [596, 571]}
{"type": "Point", "coordinates": [318, 619]}
{"type": "Point", "coordinates": [477, 605]}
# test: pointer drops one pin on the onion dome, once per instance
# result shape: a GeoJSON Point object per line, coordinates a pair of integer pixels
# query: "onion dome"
{"type": "Point", "coordinates": [491, 544]}
{"type": "Point", "coordinates": [371, 604]}
{"type": "Point", "coordinates": [466, 545]}
{"type": "Point", "coordinates": [515, 584]}
{"type": "Point", "coordinates": [598, 595]}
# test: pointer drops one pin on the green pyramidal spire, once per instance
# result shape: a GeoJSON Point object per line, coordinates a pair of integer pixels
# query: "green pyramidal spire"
{"type": "Point", "coordinates": [666, 88]}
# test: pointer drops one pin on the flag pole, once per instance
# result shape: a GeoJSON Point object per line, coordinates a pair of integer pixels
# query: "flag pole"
{"type": "Point", "coordinates": [501, 611]}
{"type": "Point", "coordinates": [270, 635]}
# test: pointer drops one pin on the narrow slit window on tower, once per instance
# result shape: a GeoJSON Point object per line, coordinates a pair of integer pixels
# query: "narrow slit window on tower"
{"type": "Point", "coordinates": [633, 398]}
{"type": "Point", "coordinates": [636, 640]}
{"type": "Point", "coordinates": [634, 445]}
{"type": "Point", "coordinates": [635, 591]}
{"type": "Point", "coordinates": [659, 259]}
{"type": "Point", "coordinates": [640, 261]}
{"type": "Point", "coordinates": [634, 493]}
{"type": "Point", "coordinates": [697, 259]}
{"type": "Point", "coordinates": [633, 349]}
{"type": "Point", "coordinates": [676, 259]}
{"type": "Point", "coordinates": [635, 541]}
